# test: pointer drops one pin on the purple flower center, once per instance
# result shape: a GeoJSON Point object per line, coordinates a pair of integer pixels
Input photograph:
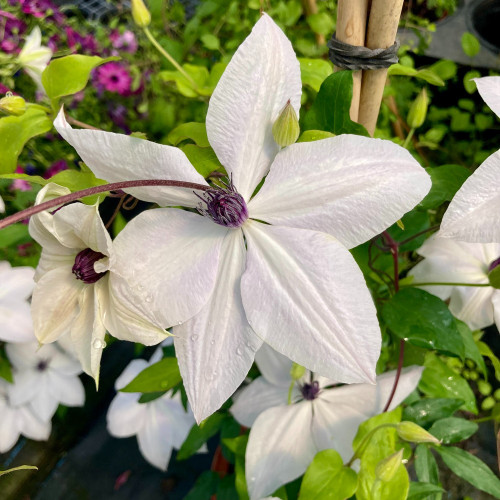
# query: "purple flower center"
{"type": "Point", "coordinates": [225, 207]}
{"type": "Point", "coordinates": [42, 366]}
{"type": "Point", "coordinates": [493, 264]}
{"type": "Point", "coordinates": [83, 269]}
{"type": "Point", "coordinates": [310, 391]}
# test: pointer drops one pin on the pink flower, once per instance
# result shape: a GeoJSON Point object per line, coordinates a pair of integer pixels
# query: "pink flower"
{"type": "Point", "coordinates": [125, 41]}
{"type": "Point", "coordinates": [20, 184]}
{"type": "Point", "coordinates": [113, 77]}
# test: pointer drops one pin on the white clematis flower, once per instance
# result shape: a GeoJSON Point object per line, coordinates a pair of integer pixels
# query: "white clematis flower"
{"type": "Point", "coordinates": [160, 425]}
{"type": "Point", "coordinates": [2, 205]}
{"type": "Point", "coordinates": [34, 56]}
{"type": "Point", "coordinates": [285, 438]}
{"type": "Point", "coordinates": [43, 378]}
{"type": "Point", "coordinates": [474, 213]}
{"type": "Point", "coordinates": [75, 284]}
{"type": "Point", "coordinates": [16, 285]}
{"type": "Point", "coordinates": [228, 282]}
{"type": "Point", "coordinates": [452, 261]}
{"type": "Point", "coordinates": [19, 420]}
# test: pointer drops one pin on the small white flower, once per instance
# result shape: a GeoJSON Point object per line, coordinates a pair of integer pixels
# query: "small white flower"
{"type": "Point", "coordinates": [43, 378]}
{"type": "Point", "coordinates": [160, 425]}
{"type": "Point", "coordinates": [285, 438]}
{"type": "Point", "coordinates": [16, 285]}
{"type": "Point", "coordinates": [75, 284]}
{"type": "Point", "coordinates": [2, 205]}
{"type": "Point", "coordinates": [226, 281]}
{"type": "Point", "coordinates": [15, 421]}
{"type": "Point", "coordinates": [474, 213]}
{"type": "Point", "coordinates": [34, 56]}
{"type": "Point", "coordinates": [452, 261]}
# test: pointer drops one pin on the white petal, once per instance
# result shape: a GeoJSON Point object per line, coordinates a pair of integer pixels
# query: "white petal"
{"type": "Point", "coordinates": [54, 305]}
{"type": "Point", "coordinates": [175, 258]}
{"type": "Point", "coordinates": [67, 390]}
{"type": "Point", "coordinates": [473, 306]}
{"type": "Point", "coordinates": [16, 324]}
{"type": "Point", "coordinates": [280, 448]}
{"type": "Point", "coordinates": [32, 426]}
{"type": "Point", "coordinates": [9, 428]}
{"type": "Point", "coordinates": [349, 186]}
{"type": "Point", "coordinates": [24, 388]}
{"type": "Point", "coordinates": [261, 77]}
{"type": "Point", "coordinates": [117, 157]}
{"type": "Point", "coordinates": [274, 366]}
{"type": "Point", "coordinates": [126, 416]}
{"type": "Point", "coordinates": [2, 205]}
{"type": "Point", "coordinates": [474, 213]}
{"type": "Point", "coordinates": [155, 441]}
{"type": "Point", "coordinates": [305, 296]}
{"type": "Point", "coordinates": [131, 371]}
{"type": "Point", "coordinates": [17, 282]}
{"type": "Point", "coordinates": [257, 397]}
{"type": "Point", "coordinates": [495, 299]}
{"type": "Point", "coordinates": [489, 88]}
{"type": "Point", "coordinates": [216, 348]}
{"type": "Point", "coordinates": [43, 404]}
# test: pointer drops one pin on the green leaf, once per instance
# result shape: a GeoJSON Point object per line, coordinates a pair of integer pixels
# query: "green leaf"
{"type": "Point", "coordinates": [321, 23]}
{"type": "Point", "coordinates": [426, 467]}
{"type": "Point", "coordinates": [21, 467]}
{"type": "Point", "coordinates": [421, 491]}
{"type": "Point", "coordinates": [314, 72]}
{"type": "Point", "coordinates": [314, 135]}
{"type": "Point", "coordinates": [440, 381]}
{"type": "Point", "coordinates": [237, 444]}
{"type": "Point", "coordinates": [330, 110]}
{"type": "Point", "coordinates": [472, 351]}
{"type": "Point", "coordinates": [197, 132]}
{"type": "Point", "coordinates": [151, 396]}
{"type": "Point", "coordinates": [204, 160]}
{"type": "Point", "coordinates": [160, 376]}
{"type": "Point", "coordinates": [446, 181]}
{"type": "Point", "coordinates": [5, 368]}
{"type": "Point", "coordinates": [423, 320]}
{"type": "Point", "coordinates": [15, 131]}
{"type": "Point", "coordinates": [395, 489]}
{"type": "Point", "coordinates": [210, 41]}
{"type": "Point", "coordinates": [200, 434]}
{"type": "Point", "coordinates": [428, 75]}
{"type": "Point", "coordinates": [14, 235]}
{"type": "Point", "coordinates": [326, 478]}
{"type": "Point", "coordinates": [453, 430]}
{"type": "Point", "coordinates": [470, 44]}
{"type": "Point", "coordinates": [413, 222]}
{"type": "Point", "coordinates": [470, 468]}
{"type": "Point", "coordinates": [445, 69]}
{"type": "Point", "coordinates": [485, 350]}
{"type": "Point", "coordinates": [70, 74]}
{"type": "Point", "coordinates": [200, 76]}
{"type": "Point", "coordinates": [427, 411]}
{"type": "Point", "coordinates": [469, 83]}
{"type": "Point", "coordinates": [205, 486]}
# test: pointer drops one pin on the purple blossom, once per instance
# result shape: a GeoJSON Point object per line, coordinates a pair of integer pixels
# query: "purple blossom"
{"type": "Point", "coordinates": [126, 41]}
{"type": "Point", "coordinates": [113, 77]}
{"type": "Point", "coordinates": [55, 168]}
{"type": "Point", "coordinates": [13, 28]}
{"type": "Point", "coordinates": [87, 43]}
{"type": "Point", "coordinates": [42, 9]}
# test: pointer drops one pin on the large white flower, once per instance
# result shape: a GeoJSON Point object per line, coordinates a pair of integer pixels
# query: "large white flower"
{"type": "Point", "coordinates": [43, 378]}
{"type": "Point", "coordinates": [15, 421]}
{"type": "Point", "coordinates": [474, 212]}
{"type": "Point", "coordinates": [452, 261]}
{"type": "Point", "coordinates": [160, 425]}
{"type": "Point", "coordinates": [227, 281]}
{"type": "Point", "coordinates": [285, 437]}
{"type": "Point", "coordinates": [34, 56]}
{"type": "Point", "coordinates": [75, 284]}
{"type": "Point", "coordinates": [16, 285]}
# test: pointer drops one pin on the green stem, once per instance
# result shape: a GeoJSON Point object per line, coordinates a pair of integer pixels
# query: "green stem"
{"type": "Point", "coordinates": [358, 453]}
{"type": "Point", "coordinates": [290, 390]}
{"type": "Point", "coordinates": [445, 284]}
{"type": "Point", "coordinates": [408, 138]}
{"type": "Point", "coordinates": [170, 59]}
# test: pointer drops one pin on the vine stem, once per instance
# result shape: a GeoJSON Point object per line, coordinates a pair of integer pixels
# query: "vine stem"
{"type": "Point", "coordinates": [114, 186]}
{"type": "Point", "coordinates": [444, 283]}
{"type": "Point", "coordinates": [394, 248]}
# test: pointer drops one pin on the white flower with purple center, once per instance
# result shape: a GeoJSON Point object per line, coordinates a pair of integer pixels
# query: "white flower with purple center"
{"type": "Point", "coordinates": [450, 261]}
{"type": "Point", "coordinates": [44, 378]}
{"type": "Point", "coordinates": [268, 267]}
{"type": "Point", "coordinates": [34, 56]}
{"type": "Point", "coordinates": [284, 438]}
{"type": "Point", "coordinates": [474, 212]}
{"type": "Point", "coordinates": [16, 286]}
{"type": "Point", "coordinates": [74, 289]}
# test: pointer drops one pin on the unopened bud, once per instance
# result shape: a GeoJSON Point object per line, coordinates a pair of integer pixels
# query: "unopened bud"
{"type": "Point", "coordinates": [412, 432]}
{"type": "Point", "coordinates": [418, 110]}
{"type": "Point", "coordinates": [141, 14]}
{"type": "Point", "coordinates": [494, 273]}
{"type": "Point", "coordinates": [386, 469]}
{"type": "Point", "coordinates": [297, 371]}
{"type": "Point", "coordinates": [286, 128]}
{"type": "Point", "coordinates": [13, 104]}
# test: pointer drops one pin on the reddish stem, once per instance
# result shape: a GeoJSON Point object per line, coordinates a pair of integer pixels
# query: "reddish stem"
{"type": "Point", "coordinates": [114, 186]}
{"type": "Point", "coordinates": [394, 248]}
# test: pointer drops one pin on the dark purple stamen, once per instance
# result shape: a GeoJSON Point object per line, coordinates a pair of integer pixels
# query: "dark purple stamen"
{"type": "Point", "coordinates": [42, 366]}
{"type": "Point", "coordinates": [310, 391]}
{"type": "Point", "coordinates": [225, 207]}
{"type": "Point", "coordinates": [494, 264]}
{"type": "Point", "coordinates": [83, 269]}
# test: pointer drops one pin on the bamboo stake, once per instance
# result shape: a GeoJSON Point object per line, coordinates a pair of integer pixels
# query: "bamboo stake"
{"type": "Point", "coordinates": [351, 27]}
{"type": "Point", "coordinates": [381, 33]}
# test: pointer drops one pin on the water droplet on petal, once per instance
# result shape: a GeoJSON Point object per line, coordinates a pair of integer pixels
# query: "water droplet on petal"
{"type": "Point", "coordinates": [239, 352]}
{"type": "Point", "coordinates": [212, 342]}
{"type": "Point", "coordinates": [98, 344]}
{"type": "Point", "coordinates": [149, 299]}
{"type": "Point", "coordinates": [179, 323]}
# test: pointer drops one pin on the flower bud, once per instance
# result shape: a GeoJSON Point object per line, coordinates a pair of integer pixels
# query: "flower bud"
{"type": "Point", "coordinates": [297, 371]}
{"type": "Point", "coordinates": [13, 104]}
{"type": "Point", "coordinates": [494, 274]}
{"type": "Point", "coordinates": [141, 14]}
{"type": "Point", "coordinates": [286, 128]}
{"type": "Point", "coordinates": [412, 432]}
{"type": "Point", "coordinates": [418, 110]}
{"type": "Point", "coordinates": [387, 468]}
